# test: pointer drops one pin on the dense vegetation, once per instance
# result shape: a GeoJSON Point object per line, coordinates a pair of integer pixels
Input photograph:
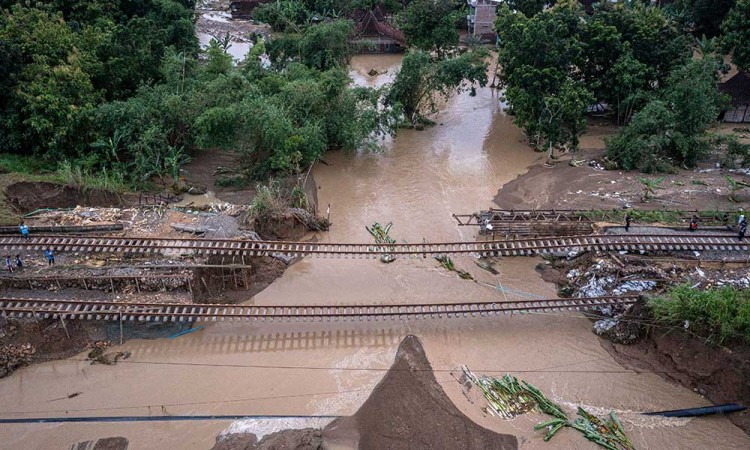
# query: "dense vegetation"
{"type": "Point", "coordinates": [719, 315]}
{"type": "Point", "coordinates": [62, 61]}
{"type": "Point", "coordinates": [120, 89]}
{"type": "Point", "coordinates": [434, 66]}
{"type": "Point", "coordinates": [632, 58]}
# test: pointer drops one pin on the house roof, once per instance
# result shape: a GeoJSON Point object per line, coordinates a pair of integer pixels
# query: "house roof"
{"type": "Point", "coordinates": [370, 23]}
{"type": "Point", "coordinates": [737, 87]}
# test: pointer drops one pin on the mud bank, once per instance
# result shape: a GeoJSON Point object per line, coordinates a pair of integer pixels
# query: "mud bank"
{"type": "Point", "coordinates": [718, 374]}
{"type": "Point", "coordinates": [408, 409]}
{"type": "Point", "coordinates": [590, 187]}
{"type": "Point", "coordinates": [27, 342]}
{"type": "Point", "coordinates": [27, 196]}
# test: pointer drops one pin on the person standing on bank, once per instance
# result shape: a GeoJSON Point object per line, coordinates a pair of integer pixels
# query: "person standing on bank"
{"type": "Point", "coordinates": [743, 229]}
{"type": "Point", "coordinates": [694, 223]}
{"type": "Point", "coordinates": [24, 230]}
{"type": "Point", "coordinates": [50, 256]}
{"type": "Point", "coordinates": [627, 222]}
{"type": "Point", "coordinates": [8, 265]}
{"type": "Point", "coordinates": [19, 263]}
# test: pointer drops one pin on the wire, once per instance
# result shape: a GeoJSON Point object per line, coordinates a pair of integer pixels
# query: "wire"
{"type": "Point", "coordinates": [212, 402]}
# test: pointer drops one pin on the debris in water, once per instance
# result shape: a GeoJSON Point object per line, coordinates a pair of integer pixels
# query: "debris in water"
{"type": "Point", "coordinates": [447, 262]}
{"type": "Point", "coordinates": [487, 265]}
{"type": "Point", "coordinates": [381, 236]}
{"type": "Point", "coordinates": [509, 397]}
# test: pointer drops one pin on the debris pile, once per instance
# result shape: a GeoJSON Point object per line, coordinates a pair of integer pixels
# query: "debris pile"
{"type": "Point", "coordinates": [97, 355]}
{"type": "Point", "coordinates": [14, 356]}
{"type": "Point", "coordinates": [607, 278]}
{"type": "Point", "coordinates": [81, 216]}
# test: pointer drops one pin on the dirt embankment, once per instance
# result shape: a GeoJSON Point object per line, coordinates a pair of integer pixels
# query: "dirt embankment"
{"type": "Point", "coordinates": [37, 341]}
{"type": "Point", "coordinates": [408, 409]}
{"type": "Point", "coordinates": [28, 196]}
{"type": "Point", "coordinates": [589, 187]}
{"type": "Point", "coordinates": [719, 374]}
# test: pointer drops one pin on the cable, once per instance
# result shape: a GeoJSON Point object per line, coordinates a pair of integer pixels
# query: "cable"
{"type": "Point", "coordinates": [212, 402]}
{"type": "Point", "coordinates": [163, 405]}
{"type": "Point", "coordinates": [151, 418]}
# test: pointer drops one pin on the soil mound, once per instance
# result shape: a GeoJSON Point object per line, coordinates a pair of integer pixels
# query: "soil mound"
{"type": "Point", "coordinates": [305, 439]}
{"type": "Point", "coordinates": [408, 409]}
{"type": "Point", "coordinates": [27, 196]}
{"type": "Point", "coordinates": [112, 443]}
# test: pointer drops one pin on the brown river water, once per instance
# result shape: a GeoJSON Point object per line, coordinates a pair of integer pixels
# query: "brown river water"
{"type": "Point", "coordinates": [417, 182]}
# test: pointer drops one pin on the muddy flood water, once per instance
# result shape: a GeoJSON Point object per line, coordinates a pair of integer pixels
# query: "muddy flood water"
{"type": "Point", "coordinates": [417, 182]}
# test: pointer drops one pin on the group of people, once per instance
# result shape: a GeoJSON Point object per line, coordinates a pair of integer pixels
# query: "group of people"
{"type": "Point", "coordinates": [741, 223]}
{"type": "Point", "coordinates": [12, 265]}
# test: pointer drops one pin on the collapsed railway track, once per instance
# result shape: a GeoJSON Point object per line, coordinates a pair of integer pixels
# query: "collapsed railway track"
{"type": "Point", "coordinates": [30, 308]}
{"type": "Point", "coordinates": [508, 247]}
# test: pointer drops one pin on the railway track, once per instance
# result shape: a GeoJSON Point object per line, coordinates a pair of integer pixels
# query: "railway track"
{"type": "Point", "coordinates": [510, 247]}
{"type": "Point", "coordinates": [31, 308]}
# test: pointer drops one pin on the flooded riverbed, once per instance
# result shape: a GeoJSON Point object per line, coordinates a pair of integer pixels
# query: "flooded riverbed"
{"type": "Point", "coordinates": [417, 182]}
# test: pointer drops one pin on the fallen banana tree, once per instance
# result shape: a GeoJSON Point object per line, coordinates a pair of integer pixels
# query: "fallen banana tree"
{"type": "Point", "coordinates": [508, 397]}
{"type": "Point", "coordinates": [380, 233]}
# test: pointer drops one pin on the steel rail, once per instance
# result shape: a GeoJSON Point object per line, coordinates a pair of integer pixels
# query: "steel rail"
{"type": "Point", "coordinates": [511, 247]}
{"type": "Point", "coordinates": [74, 277]}
{"type": "Point", "coordinates": [179, 312]}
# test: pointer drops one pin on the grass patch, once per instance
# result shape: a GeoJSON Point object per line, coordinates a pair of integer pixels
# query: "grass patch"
{"type": "Point", "coordinates": [28, 165]}
{"type": "Point", "coordinates": [658, 216]}
{"type": "Point", "coordinates": [719, 315]}
{"type": "Point", "coordinates": [109, 180]}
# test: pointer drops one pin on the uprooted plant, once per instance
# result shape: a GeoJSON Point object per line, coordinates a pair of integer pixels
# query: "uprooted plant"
{"type": "Point", "coordinates": [380, 233]}
{"type": "Point", "coordinates": [509, 397]}
{"type": "Point", "coordinates": [448, 264]}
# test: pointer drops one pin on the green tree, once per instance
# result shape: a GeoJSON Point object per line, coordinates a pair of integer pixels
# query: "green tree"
{"type": "Point", "coordinates": [287, 15]}
{"type": "Point", "coordinates": [703, 17]}
{"type": "Point", "coordinates": [672, 129]}
{"type": "Point", "coordinates": [430, 25]}
{"type": "Point", "coordinates": [540, 57]}
{"type": "Point", "coordinates": [654, 39]}
{"type": "Point", "coordinates": [422, 80]}
{"type": "Point", "coordinates": [326, 45]}
{"type": "Point", "coordinates": [529, 7]}
{"type": "Point", "coordinates": [46, 93]}
{"type": "Point", "coordinates": [736, 39]}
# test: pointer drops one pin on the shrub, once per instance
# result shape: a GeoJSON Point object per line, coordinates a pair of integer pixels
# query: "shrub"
{"type": "Point", "coordinates": [719, 314]}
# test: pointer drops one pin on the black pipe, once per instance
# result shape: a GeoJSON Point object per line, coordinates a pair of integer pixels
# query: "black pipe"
{"type": "Point", "coordinates": [697, 412]}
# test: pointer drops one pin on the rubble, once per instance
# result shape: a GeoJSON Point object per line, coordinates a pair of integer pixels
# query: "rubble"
{"type": "Point", "coordinates": [14, 356]}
